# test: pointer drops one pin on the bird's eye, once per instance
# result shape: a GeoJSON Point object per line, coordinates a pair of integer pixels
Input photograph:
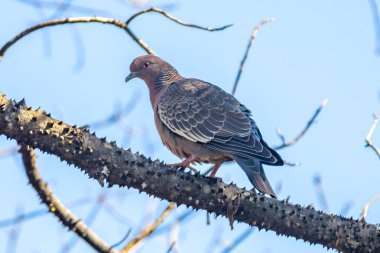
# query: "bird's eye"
{"type": "Point", "coordinates": [146, 64]}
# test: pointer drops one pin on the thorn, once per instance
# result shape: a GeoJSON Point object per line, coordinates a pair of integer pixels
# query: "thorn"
{"type": "Point", "coordinates": [21, 103]}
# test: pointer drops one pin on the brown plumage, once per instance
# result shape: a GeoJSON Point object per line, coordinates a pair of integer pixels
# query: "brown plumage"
{"type": "Point", "coordinates": [199, 122]}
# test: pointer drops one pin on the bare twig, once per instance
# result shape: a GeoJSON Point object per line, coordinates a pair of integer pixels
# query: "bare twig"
{"type": "Point", "coordinates": [303, 132]}
{"type": "Point", "coordinates": [74, 20]}
{"type": "Point", "coordinates": [22, 217]}
{"type": "Point", "coordinates": [103, 20]}
{"type": "Point", "coordinates": [146, 232]}
{"type": "Point", "coordinates": [369, 136]}
{"type": "Point", "coordinates": [173, 236]}
{"type": "Point", "coordinates": [238, 240]}
{"type": "Point", "coordinates": [253, 36]}
{"type": "Point", "coordinates": [89, 220]}
{"type": "Point", "coordinates": [317, 181]}
{"type": "Point", "coordinates": [367, 205]}
{"type": "Point", "coordinates": [56, 207]}
{"type": "Point", "coordinates": [346, 208]}
{"type": "Point", "coordinates": [119, 113]}
{"type": "Point", "coordinates": [122, 239]}
{"type": "Point", "coordinates": [176, 20]}
{"type": "Point", "coordinates": [376, 23]}
{"type": "Point", "coordinates": [171, 247]}
{"type": "Point", "coordinates": [73, 7]}
{"type": "Point", "coordinates": [14, 234]}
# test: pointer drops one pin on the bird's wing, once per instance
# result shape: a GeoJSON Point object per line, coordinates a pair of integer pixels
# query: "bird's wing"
{"type": "Point", "coordinates": [204, 113]}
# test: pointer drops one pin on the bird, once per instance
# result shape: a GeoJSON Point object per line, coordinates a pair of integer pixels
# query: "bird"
{"type": "Point", "coordinates": [201, 123]}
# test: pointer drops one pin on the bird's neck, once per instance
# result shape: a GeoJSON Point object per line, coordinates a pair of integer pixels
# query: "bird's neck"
{"type": "Point", "coordinates": [158, 86]}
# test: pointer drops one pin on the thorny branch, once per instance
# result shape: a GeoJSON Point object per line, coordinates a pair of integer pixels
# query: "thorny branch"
{"type": "Point", "coordinates": [369, 136]}
{"type": "Point", "coordinates": [311, 121]}
{"type": "Point", "coordinates": [149, 230]}
{"type": "Point", "coordinates": [106, 162]}
{"type": "Point", "coordinates": [55, 206]}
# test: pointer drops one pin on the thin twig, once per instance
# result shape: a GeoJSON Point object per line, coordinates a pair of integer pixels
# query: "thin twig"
{"type": "Point", "coordinates": [253, 36]}
{"type": "Point", "coordinates": [89, 220]}
{"type": "Point", "coordinates": [122, 239]}
{"type": "Point", "coordinates": [56, 207]}
{"type": "Point", "coordinates": [369, 136]}
{"type": "Point", "coordinates": [303, 132]}
{"type": "Point", "coordinates": [173, 236]}
{"type": "Point", "coordinates": [367, 205]}
{"type": "Point", "coordinates": [238, 240]}
{"type": "Point", "coordinates": [376, 23]}
{"type": "Point", "coordinates": [176, 20]}
{"type": "Point", "coordinates": [73, 7]}
{"type": "Point", "coordinates": [74, 20]}
{"type": "Point", "coordinates": [120, 113]}
{"type": "Point", "coordinates": [146, 232]}
{"type": "Point", "coordinates": [23, 217]}
{"type": "Point", "coordinates": [14, 234]}
{"type": "Point", "coordinates": [346, 208]}
{"type": "Point", "coordinates": [103, 20]}
{"type": "Point", "coordinates": [317, 180]}
{"type": "Point", "coordinates": [171, 247]}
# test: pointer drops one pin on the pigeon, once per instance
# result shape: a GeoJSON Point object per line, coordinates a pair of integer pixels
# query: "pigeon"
{"type": "Point", "coordinates": [201, 123]}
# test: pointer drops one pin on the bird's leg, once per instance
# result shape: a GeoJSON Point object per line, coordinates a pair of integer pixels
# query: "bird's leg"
{"type": "Point", "coordinates": [185, 164]}
{"type": "Point", "coordinates": [215, 169]}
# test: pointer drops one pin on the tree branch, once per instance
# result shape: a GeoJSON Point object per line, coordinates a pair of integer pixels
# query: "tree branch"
{"type": "Point", "coordinates": [369, 136]}
{"type": "Point", "coordinates": [367, 205]}
{"type": "Point", "coordinates": [55, 22]}
{"type": "Point", "coordinates": [311, 121]}
{"type": "Point", "coordinates": [176, 20]}
{"type": "Point", "coordinates": [245, 56]}
{"type": "Point", "coordinates": [106, 162]}
{"type": "Point", "coordinates": [117, 23]}
{"type": "Point", "coordinates": [56, 207]}
{"type": "Point", "coordinates": [149, 230]}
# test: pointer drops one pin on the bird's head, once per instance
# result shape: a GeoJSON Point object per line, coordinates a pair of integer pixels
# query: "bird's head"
{"type": "Point", "coordinates": [152, 69]}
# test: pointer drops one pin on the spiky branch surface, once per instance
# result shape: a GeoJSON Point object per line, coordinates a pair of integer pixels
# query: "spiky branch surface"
{"type": "Point", "coordinates": [108, 163]}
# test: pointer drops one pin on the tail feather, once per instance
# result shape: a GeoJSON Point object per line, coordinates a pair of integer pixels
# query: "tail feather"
{"type": "Point", "coordinates": [256, 175]}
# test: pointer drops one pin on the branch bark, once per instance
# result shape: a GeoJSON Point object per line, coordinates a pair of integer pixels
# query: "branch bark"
{"type": "Point", "coordinates": [56, 207]}
{"type": "Point", "coordinates": [107, 163]}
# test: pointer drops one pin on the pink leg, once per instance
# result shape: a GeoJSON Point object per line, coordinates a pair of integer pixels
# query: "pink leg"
{"type": "Point", "coordinates": [185, 164]}
{"type": "Point", "coordinates": [215, 169]}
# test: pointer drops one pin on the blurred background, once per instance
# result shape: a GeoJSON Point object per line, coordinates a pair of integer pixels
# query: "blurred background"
{"type": "Point", "coordinates": [314, 50]}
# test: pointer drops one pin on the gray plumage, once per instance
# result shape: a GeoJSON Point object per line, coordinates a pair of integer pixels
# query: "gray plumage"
{"type": "Point", "coordinates": [200, 122]}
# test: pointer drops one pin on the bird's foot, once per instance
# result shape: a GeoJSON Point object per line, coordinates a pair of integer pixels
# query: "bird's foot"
{"type": "Point", "coordinates": [185, 164]}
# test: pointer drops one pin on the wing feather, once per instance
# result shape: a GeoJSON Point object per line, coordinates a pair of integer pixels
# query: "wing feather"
{"type": "Point", "coordinates": [204, 113]}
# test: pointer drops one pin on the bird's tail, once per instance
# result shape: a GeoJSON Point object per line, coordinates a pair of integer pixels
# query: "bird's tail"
{"type": "Point", "coordinates": [255, 172]}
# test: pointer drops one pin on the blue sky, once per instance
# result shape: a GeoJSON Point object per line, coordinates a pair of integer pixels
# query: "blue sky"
{"type": "Point", "coordinates": [315, 50]}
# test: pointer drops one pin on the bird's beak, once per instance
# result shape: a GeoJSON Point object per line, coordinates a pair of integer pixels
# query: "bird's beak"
{"type": "Point", "coordinates": [131, 76]}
